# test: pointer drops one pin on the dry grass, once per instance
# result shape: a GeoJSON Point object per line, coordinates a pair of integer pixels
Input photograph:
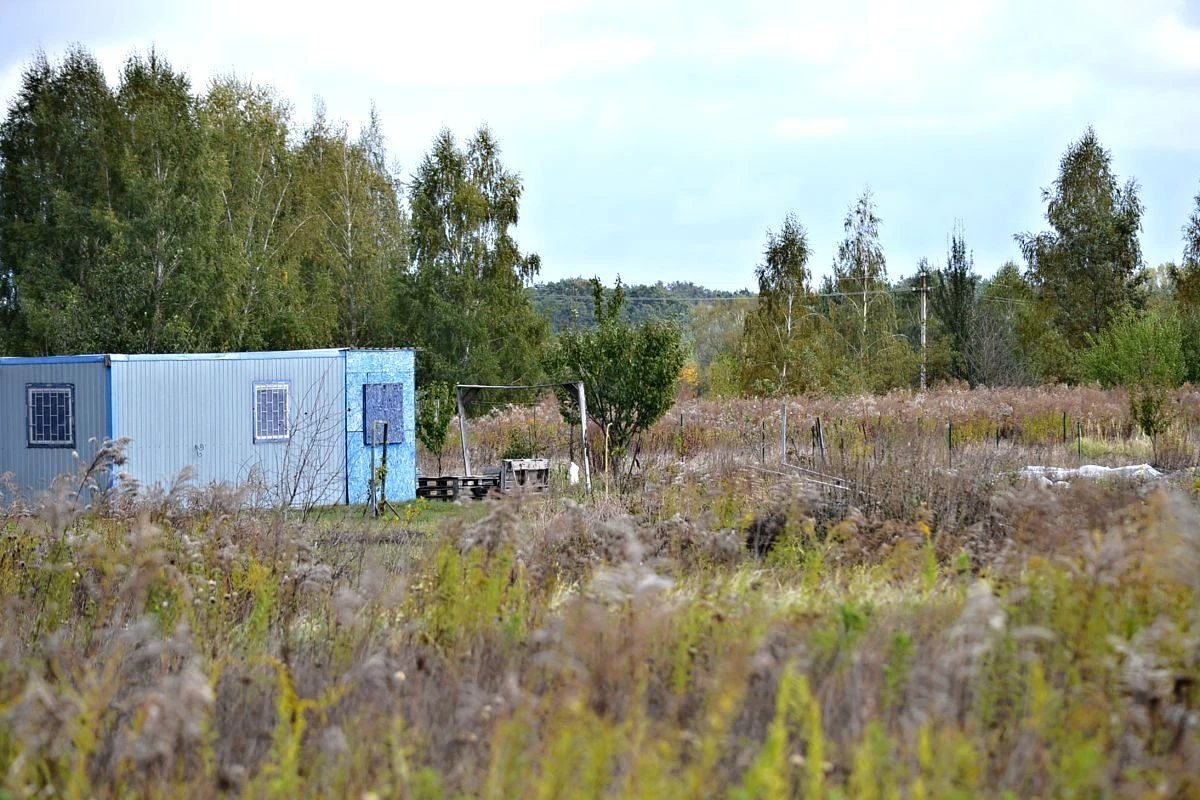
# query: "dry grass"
{"type": "Point", "coordinates": [908, 626]}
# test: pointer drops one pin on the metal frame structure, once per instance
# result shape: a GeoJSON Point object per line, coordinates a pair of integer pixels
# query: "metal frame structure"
{"type": "Point", "coordinates": [466, 393]}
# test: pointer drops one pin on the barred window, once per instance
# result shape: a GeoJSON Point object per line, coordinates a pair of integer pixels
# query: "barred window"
{"type": "Point", "coordinates": [50, 414]}
{"type": "Point", "coordinates": [271, 421]}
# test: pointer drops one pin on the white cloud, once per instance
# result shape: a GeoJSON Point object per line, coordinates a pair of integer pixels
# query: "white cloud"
{"type": "Point", "coordinates": [1172, 44]}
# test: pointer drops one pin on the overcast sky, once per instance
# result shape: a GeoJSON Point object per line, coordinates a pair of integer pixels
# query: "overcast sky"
{"type": "Point", "coordinates": [661, 140]}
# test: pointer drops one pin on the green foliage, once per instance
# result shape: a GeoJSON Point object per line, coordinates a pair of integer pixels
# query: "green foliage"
{"type": "Point", "coordinates": [567, 303]}
{"type": "Point", "coordinates": [1185, 277]}
{"type": "Point", "coordinates": [466, 303]}
{"type": "Point", "coordinates": [436, 407]}
{"type": "Point", "coordinates": [775, 329]}
{"type": "Point", "coordinates": [263, 301]}
{"type": "Point", "coordinates": [715, 333]}
{"type": "Point", "coordinates": [871, 355]}
{"type": "Point", "coordinates": [1012, 342]}
{"type": "Point", "coordinates": [629, 372]}
{"type": "Point", "coordinates": [473, 595]}
{"type": "Point", "coordinates": [60, 146]}
{"type": "Point", "coordinates": [1143, 352]}
{"type": "Point", "coordinates": [1086, 269]}
{"type": "Point", "coordinates": [145, 218]}
{"type": "Point", "coordinates": [1136, 349]}
{"type": "Point", "coordinates": [952, 299]}
{"type": "Point", "coordinates": [584, 652]}
{"type": "Point", "coordinates": [353, 250]}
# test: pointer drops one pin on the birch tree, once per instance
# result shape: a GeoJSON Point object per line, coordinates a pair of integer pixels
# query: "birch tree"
{"type": "Point", "coordinates": [772, 330]}
{"type": "Point", "coordinates": [467, 302]}
{"type": "Point", "coordinates": [1085, 269]}
{"type": "Point", "coordinates": [260, 216]}
{"type": "Point", "coordinates": [170, 204]}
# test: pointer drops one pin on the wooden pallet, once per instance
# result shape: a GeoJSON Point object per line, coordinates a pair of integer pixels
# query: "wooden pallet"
{"type": "Point", "coordinates": [451, 487]}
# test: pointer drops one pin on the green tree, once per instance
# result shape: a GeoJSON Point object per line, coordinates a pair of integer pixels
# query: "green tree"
{"type": "Point", "coordinates": [1186, 275]}
{"type": "Point", "coordinates": [629, 371]}
{"type": "Point", "coordinates": [1085, 269]}
{"type": "Point", "coordinates": [715, 331]}
{"type": "Point", "coordinates": [436, 407]}
{"type": "Point", "coordinates": [59, 232]}
{"type": "Point", "coordinates": [775, 327]}
{"type": "Point", "coordinates": [860, 269]}
{"type": "Point", "coordinates": [260, 217]}
{"type": "Point", "coordinates": [467, 303]}
{"type": "Point", "coordinates": [1005, 320]}
{"type": "Point", "coordinates": [1143, 352]}
{"type": "Point", "coordinates": [952, 301]}
{"type": "Point", "coordinates": [161, 290]}
{"type": "Point", "coordinates": [1186, 281]}
{"type": "Point", "coordinates": [110, 205]}
{"type": "Point", "coordinates": [353, 252]}
{"type": "Point", "coordinates": [873, 355]}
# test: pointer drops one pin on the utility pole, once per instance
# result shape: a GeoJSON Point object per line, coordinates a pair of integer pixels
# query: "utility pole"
{"type": "Point", "coordinates": [924, 290]}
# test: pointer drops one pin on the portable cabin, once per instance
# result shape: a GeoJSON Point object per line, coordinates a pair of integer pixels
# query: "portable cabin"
{"type": "Point", "coordinates": [305, 425]}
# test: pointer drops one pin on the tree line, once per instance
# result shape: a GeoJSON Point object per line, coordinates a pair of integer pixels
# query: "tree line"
{"type": "Point", "coordinates": [1083, 308]}
{"type": "Point", "coordinates": [148, 216]}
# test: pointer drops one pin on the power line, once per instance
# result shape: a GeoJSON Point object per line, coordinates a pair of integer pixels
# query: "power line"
{"type": "Point", "coordinates": [988, 298]}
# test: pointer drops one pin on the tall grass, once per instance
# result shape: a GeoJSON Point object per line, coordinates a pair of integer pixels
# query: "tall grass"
{"type": "Point", "coordinates": [910, 629]}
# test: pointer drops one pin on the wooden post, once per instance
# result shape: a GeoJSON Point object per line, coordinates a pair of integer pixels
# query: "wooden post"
{"type": "Point", "coordinates": [383, 476]}
{"type": "Point", "coordinates": [583, 418]}
{"type": "Point", "coordinates": [462, 429]}
{"type": "Point", "coordinates": [371, 504]}
{"type": "Point", "coordinates": [924, 324]}
{"type": "Point", "coordinates": [783, 437]}
{"type": "Point", "coordinates": [950, 442]}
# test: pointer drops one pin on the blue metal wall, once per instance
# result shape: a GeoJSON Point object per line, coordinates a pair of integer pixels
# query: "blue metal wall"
{"type": "Point", "coordinates": [380, 366]}
{"type": "Point", "coordinates": [34, 468]}
{"type": "Point", "coordinates": [197, 411]}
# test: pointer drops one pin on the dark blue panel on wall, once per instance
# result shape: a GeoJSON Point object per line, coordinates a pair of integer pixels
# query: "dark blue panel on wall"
{"type": "Point", "coordinates": [383, 402]}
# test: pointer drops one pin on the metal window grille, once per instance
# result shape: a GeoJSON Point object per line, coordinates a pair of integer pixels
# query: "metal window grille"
{"type": "Point", "coordinates": [50, 412]}
{"type": "Point", "coordinates": [271, 412]}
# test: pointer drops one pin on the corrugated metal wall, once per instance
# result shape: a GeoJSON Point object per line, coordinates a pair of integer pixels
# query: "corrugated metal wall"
{"type": "Point", "coordinates": [381, 366]}
{"type": "Point", "coordinates": [34, 468]}
{"type": "Point", "coordinates": [197, 411]}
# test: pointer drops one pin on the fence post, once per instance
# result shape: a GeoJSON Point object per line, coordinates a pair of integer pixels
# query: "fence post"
{"type": "Point", "coordinates": [682, 440]}
{"type": "Point", "coordinates": [950, 442]}
{"type": "Point", "coordinates": [783, 437]}
{"type": "Point", "coordinates": [762, 457]}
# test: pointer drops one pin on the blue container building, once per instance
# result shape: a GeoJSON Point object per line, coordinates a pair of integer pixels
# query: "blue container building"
{"type": "Point", "coordinates": [301, 424]}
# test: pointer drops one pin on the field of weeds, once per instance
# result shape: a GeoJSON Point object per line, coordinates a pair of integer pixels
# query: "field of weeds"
{"type": "Point", "coordinates": [887, 613]}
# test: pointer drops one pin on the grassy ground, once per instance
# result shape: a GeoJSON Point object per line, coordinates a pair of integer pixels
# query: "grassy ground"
{"type": "Point", "coordinates": [708, 624]}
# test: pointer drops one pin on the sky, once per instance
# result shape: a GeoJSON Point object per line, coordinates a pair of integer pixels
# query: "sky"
{"type": "Point", "coordinates": [661, 141]}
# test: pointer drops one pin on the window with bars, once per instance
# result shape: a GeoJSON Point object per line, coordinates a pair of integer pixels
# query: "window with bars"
{"type": "Point", "coordinates": [50, 414]}
{"type": "Point", "coordinates": [271, 420]}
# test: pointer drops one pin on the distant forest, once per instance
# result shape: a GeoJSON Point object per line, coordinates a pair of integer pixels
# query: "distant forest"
{"type": "Point", "coordinates": [152, 215]}
{"type": "Point", "coordinates": [568, 303]}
